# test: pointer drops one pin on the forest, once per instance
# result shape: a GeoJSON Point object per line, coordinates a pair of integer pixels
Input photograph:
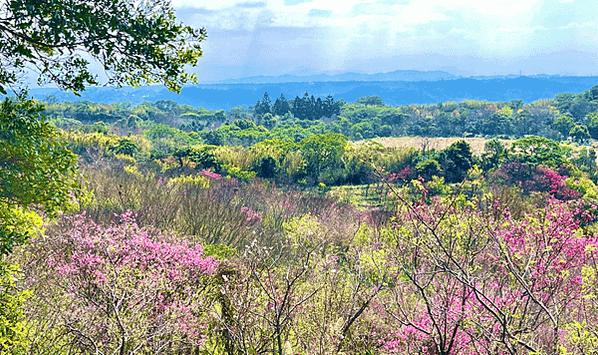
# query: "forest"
{"type": "Point", "coordinates": [301, 226]}
{"type": "Point", "coordinates": [565, 116]}
{"type": "Point", "coordinates": [244, 232]}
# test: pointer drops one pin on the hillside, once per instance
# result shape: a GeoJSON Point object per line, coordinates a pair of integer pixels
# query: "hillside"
{"type": "Point", "coordinates": [227, 96]}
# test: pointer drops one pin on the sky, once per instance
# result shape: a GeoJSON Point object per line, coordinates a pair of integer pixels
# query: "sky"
{"type": "Point", "coordinates": [462, 37]}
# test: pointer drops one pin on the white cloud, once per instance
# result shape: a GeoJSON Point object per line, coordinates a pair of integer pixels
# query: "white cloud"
{"type": "Point", "coordinates": [357, 30]}
{"type": "Point", "coordinates": [216, 5]}
{"type": "Point", "coordinates": [572, 25]}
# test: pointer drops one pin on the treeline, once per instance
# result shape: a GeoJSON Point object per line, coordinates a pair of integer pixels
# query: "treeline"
{"type": "Point", "coordinates": [326, 159]}
{"type": "Point", "coordinates": [306, 108]}
{"type": "Point", "coordinates": [567, 116]}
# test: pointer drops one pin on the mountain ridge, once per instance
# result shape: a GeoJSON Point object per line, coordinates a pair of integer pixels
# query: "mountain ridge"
{"type": "Point", "coordinates": [227, 96]}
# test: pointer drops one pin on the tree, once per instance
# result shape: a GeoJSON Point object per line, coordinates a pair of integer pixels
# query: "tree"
{"type": "Point", "coordinates": [263, 107]}
{"type": "Point", "coordinates": [483, 282]}
{"type": "Point", "coordinates": [129, 288]}
{"type": "Point", "coordinates": [494, 152]}
{"type": "Point", "coordinates": [539, 150]}
{"type": "Point", "coordinates": [592, 124]}
{"type": "Point", "coordinates": [579, 133]}
{"type": "Point", "coordinates": [456, 161]}
{"type": "Point", "coordinates": [323, 153]}
{"type": "Point", "coordinates": [370, 101]}
{"type": "Point", "coordinates": [281, 106]}
{"type": "Point", "coordinates": [35, 169]}
{"type": "Point", "coordinates": [329, 107]}
{"type": "Point", "coordinates": [135, 42]}
{"type": "Point", "coordinates": [563, 124]}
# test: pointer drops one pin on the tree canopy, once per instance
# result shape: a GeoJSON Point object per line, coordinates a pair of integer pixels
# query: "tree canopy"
{"type": "Point", "coordinates": [135, 42]}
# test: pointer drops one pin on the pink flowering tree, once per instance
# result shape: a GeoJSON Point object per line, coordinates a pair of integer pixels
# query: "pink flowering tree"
{"type": "Point", "coordinates": [543, 256]}
{"type": "Point", "coordinates": [119, 289]}
{"type": "Point", "coordinates": [431, 307]}
{"type": "Point", "coordinates": [473, 280]}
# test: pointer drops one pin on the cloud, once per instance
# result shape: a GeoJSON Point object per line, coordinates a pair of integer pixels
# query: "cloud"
{"type": "Point", "coordinates": [572, 25]}
{"type": "Point", "coordinates": [218, 5]}
{"type": "Point", "coordinates": [319, 13]}
{"type": "Point", "coordinates": [295, 2]}
{"type": "Point", "coordinates": [333, 34]}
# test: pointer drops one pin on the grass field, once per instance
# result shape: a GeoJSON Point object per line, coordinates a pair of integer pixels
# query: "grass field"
{"type": "Point", "coordinates": [438, 143]}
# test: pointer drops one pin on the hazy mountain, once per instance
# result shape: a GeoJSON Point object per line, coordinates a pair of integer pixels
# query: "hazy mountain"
{"type": "Point", "coordinates": [398, 75]}
{"type": "Point", "coordinates": [227, 96]}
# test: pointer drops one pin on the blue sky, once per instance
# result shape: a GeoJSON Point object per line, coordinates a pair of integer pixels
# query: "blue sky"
{"type": "Point", "coordinates": [464, 37]}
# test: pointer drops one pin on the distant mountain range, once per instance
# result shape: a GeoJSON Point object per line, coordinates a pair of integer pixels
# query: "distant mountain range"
{"type": "Point", "coordinates": [393, 92]}
{"type": "Point", "coordinates": [399, 75]}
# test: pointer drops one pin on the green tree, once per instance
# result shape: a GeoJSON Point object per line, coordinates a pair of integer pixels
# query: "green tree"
{"type": "Point", "coordinates": [499, 122]}
{"type": "Point", "coordinates": [269, 121]}
{"type": "Point", "coordinates": [323, 154]}
{"type": "Point", "coordinates": [494, 153]}
{"type": "Point", "coordinates": [263, 107]}
{"type": "Point", "coordinates": [456, 161]}
{"type": "Point", "coordinates": [370, 101]}
{"type": "Point", "coordinates": [36, 169]}
{"type": "Point", "coordinates": [135, 42]}
{"type": "Point", "coordinates": [126, 147]}
{"type": "Point", "coordinates": [428, 168]}
{"type": "Point", "coordinates": [564, 125]}
{"type": "Point", "coordinates": [330, 108]}
{"type": "Point", "coordinates": [579, 133]}
{"type": "Point", "coordinates": [281, 106]}
{"type": "Point", "coordinates": [592, 124]}
{"type": "Point", "coordinates": [535, 150]}
{"type": "Point", "coordinates": [37, 174]}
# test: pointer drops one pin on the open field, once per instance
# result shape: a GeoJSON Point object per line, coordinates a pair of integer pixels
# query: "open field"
{"type": "Point", "coordinates": [438, 143]}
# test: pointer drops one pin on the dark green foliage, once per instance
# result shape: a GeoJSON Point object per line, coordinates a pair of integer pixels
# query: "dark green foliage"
{"type": "Point", "coordinates": [36, 168]}
{"type": "Point", "coordinates": [269, 121]}
{"type": "Point", "coordinates": [370, 101]}
{"type": "Point", "coordinates": [205, 158]}
{"type": "Point", "coordinates": [244, 124]}
{"type": "Point", "coordinates": [428, 168]}
{"type": "Point", "coordinates": [563, 124]}
{"type": "Point", "coordinates": [310, 108]}
{"type": "Point", "coordinates": [137, 43]}
{"type": "Point", "coordinates": [126, 147]}
{"type": "Point", "coordinates": [281, 106]}
{"type": "Point", "coordinates": [586, 161]}
{"type": "Point", "coordinates": [262, 107]}
{"type": "Point", "coordinates": [266, 168]}
{"type": "Point", "coordinates": [494, 154]}
{"type": "Point", "coordinates": [592, 124]}
{"type": "Point", "coordinates": [579, 133]}
{"type": "Point", "coordinates": [99, 127]}
{"type": "Point", "coordinates": [456, 161]}
{"type": "Point", "coordinates": [534, 151]}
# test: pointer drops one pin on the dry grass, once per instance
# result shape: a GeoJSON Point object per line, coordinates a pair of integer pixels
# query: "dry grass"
{"type": "Point", "coordinates": [438, 143]}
